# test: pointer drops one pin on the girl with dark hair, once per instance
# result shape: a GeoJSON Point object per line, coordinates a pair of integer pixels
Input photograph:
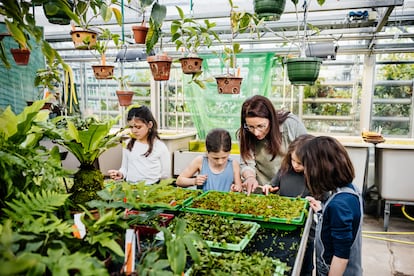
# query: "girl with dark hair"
{"type": "Point", "coordinates": [215, 170]}
{"type": "Point", "coordinates": [328, 169]}
{"type": "Point", "coordinates": [290, 180]}
{"type": "Point", "coordinates": [264, 137]}
{"type": "Point", "coordinates": [145, 157]}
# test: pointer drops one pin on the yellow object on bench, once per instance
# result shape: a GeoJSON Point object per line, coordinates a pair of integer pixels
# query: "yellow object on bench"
{"type": "Point", "coordinates": [200, 146]}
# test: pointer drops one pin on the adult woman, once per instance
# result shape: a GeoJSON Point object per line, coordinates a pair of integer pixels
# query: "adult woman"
{"type": "Point", "coordinates": [264, 137]}
{"type": "Point", "coordinates": [145, 157]}
{"type": "Point", "coordinates": [328, 168]}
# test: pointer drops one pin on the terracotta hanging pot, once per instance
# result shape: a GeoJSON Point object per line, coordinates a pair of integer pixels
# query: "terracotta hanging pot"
{"type": "Point", "coordinates": [46, 106]}
{"type": "Point", "coordinates": [140, 33]}
{"type": "Point", "coordinates": [191, 65]}
{"type": "Point", "coordinates": [124, 97]}
{"type": "Point", "coordinates": [160, 66]}
{"type": "Point", "coordinates": [103, 72]}
{"type": "Point", "coordinates": [228, 84]}
{"type": "Point", "coordinates": [84, 39]}
{"type": "Point", "coordinates": [21, 56]}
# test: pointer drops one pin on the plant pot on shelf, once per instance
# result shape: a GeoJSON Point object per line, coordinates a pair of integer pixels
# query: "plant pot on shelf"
{"type": "Point", "coordinates": [124, 97]}
{"type": "Point", "coordinates": [84, 39]}
{"type": "Point", "coordinates": [228, 84]}
{"type": "Point", "coordinates": [304, 70]}
{"type": "Point", "coordinates": [46, 106]}
{"type": "Point", "coordinates": [160, 66]}
{"type": "Point", "coordinates": [140, 33]}
{"type": "Point", "coordinates": [269, 9]}
{"type": "Point", "coordinates": [21, 56]}
{"type": "Point", "coordinates": [191, 65]}
{"type": "Point", "coordinates": [103, 72]}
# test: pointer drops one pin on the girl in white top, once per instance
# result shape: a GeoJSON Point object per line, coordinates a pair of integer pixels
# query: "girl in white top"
{"type": "Point", "coordinates": [144, 157]}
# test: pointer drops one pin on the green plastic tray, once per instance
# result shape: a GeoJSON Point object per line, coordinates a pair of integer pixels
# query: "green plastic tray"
{"type": "Point", "coordinates": [267, 222]}
{"type": "Point", "coordinates": [242, 244]}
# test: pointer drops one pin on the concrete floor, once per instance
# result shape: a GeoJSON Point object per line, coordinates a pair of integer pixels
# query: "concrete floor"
{"type": "Point", "coordinates": [388, 258]}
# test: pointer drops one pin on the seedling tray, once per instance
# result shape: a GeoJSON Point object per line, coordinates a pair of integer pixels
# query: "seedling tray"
{"type": "Point", "coordinates": [255, 207]}
{"type": "Point", "coordinates": [242, 244]}
{"type": "Point", "coordinates": [146, 230]}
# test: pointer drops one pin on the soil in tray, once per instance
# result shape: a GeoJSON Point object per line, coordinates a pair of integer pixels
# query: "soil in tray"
{"type": "Point", "coordinates": [275, 243]}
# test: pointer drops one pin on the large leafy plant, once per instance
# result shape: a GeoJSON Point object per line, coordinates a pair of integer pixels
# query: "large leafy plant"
{"type": "Point", "coordinates": [26, 165]}
{"type": "Point", "coordinates": [86, 139]}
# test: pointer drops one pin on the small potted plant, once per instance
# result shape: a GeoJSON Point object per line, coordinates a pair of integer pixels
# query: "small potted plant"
{"type": "Point", "coordinates": [189, 35]}
{"type": "Point", "coordinates": [303, 70]}
{"type": "Point", "coordinates": [123, 93]}
{"type": "Point", "coordinates": [104, 71]}
{"type": "Point", "coordinates": [240, 22]}
{"type": "Point", "coordinates": [140, 31]}
{"type": "Point", "coordinates": [84, 12]}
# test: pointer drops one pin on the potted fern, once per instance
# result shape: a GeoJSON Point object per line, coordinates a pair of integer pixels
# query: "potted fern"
{"type": "Point", "coordinates": [189, 35]}
{"type": "Point", "coordinates": [240, 22]}
{"type": "Point", "coordinates": [303, 70]}
{"type": "Point", "coordinates": [103, 70]}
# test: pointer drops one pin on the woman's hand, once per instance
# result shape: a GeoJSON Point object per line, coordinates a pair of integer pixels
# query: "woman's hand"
{"type": "Point", "coordinates": [269, 189]}
{"type": "Point", "coordinates": [250, 183]}
{"type": "Point", "coordinates": [314, 204]}
{"type": "Point", "coordinates": [116, 175]}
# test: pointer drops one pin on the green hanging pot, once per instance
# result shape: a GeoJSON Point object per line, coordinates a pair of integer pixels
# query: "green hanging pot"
{"type": "Point", "coordinates": [55, 14]}
{"type": "Point", "coordinates": [269, 9]}
{"type": "Point", "coordinates": [304, 70]}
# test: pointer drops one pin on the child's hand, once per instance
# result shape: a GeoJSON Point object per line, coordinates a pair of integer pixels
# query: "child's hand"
{"type": "Point", "coordinates": [114, 174]}
{"type": "Point", "coordinates": [236, 188]}
{"type": "Point", "coordinates": [269, 189]}
{"type": "Point", "coordinates": [200, 179]}
{"type": "Point", "coordinates": [314, 204]}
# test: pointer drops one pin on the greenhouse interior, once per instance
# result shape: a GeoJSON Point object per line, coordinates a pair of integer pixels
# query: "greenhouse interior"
{"type": "Point", "coordinates": [70, 203]}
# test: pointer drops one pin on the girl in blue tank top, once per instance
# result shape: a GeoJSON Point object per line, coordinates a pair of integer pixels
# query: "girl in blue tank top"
{"type": "Point", "coordinates": [215, 170]}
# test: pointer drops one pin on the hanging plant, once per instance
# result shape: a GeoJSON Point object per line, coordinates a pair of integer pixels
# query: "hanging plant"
{"type": "Point", "coordinates": [303, 70]}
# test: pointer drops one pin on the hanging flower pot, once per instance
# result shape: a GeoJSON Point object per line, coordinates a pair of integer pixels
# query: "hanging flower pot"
{"type": "Point", "coordinates": [140, 33]}
{"type": "Point", "coordinates": [269, 9]}
{"type": "Point", "coordinates": [228, 84]}
{"type": "Point", "coordinates": [21, 56]}
{"type": "Point", "coordinates": [124, 97]}
{"type": "Point", "coordinates": [55, 14]}
{"type": "Point", "coordinates": [103, 72]}
{"type": "Point", "coordinates": [191, 65]}
{"type": "Point", "coordinates": [160, 66]}
{"type": "Point", "coordinates": [84, 39]}
{"type": "Point", "coordinates": [303, 71]}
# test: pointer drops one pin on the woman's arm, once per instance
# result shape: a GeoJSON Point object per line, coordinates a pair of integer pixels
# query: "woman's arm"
{"type": "Point", "coordinates": [186, 177]}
